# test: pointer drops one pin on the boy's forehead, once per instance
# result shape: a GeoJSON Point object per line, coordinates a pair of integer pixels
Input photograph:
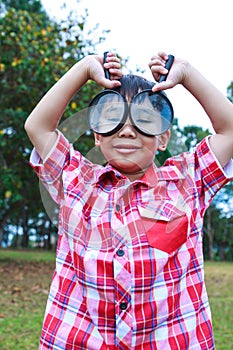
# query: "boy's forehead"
{"type": "Point", "coordinates": [131, 94]}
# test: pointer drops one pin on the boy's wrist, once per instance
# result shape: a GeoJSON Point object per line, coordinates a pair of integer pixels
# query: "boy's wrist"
{"type": "Point", "coordinates": [188, 76]}
{"type": "Point", "coordinates": [83, 68]}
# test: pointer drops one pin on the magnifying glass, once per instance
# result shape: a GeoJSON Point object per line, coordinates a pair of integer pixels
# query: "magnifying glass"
{"type": "Point", "coordinates": [151, 113]}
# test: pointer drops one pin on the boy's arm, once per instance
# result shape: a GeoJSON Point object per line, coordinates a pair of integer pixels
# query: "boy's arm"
{"type": "Point", "coordinates": [42, 122]}
{"type": "Point", "coordinates": [216, 105]}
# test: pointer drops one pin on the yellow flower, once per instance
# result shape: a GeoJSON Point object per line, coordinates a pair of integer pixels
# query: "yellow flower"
{"type": "Point", "coordinates": [15, 62]}
{"type": "Point", "coordinates": [8, 194]}
{"type": "Point", "coordinates": [43, 32]}
{"type": "Point", "coordinates": [2, 132]}
{"type": "Point", "coordinates": [73, 105]}
{"type": "Point", "coordinates": [44, 61]}
{"type": "Point", "coordinates": [2, 67]}
{"type": "Point", "coordinates": [55, 77]}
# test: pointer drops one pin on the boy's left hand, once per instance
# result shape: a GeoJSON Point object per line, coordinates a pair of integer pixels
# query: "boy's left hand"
{"type": "Point", "coordinates": [175, 76]}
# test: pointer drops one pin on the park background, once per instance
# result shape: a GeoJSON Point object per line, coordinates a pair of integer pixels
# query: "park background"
{"type": "Point", "coordinates": [38, 44]}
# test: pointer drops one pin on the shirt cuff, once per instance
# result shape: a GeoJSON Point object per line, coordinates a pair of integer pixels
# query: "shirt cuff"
{"type": "Point", "coordinates": [228, 168]}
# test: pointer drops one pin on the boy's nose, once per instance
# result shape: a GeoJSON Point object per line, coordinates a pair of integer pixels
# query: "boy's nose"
{"type": "Point", "coordinates": [127, 129]}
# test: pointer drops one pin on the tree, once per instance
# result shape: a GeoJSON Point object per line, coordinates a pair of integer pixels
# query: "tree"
{"type": "Point", "coordinates": [35, 51]}
{"type": "Point", "coordinates": [34, 6]}
{"type": "Point", "coordinates": [218, 223]}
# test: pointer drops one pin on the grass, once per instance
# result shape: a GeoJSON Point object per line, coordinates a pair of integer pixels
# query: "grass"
{"type": "Point", "coordinates": [25, 277]}
{"type": "Point", "coordinates": [27, 255]}
{"type": "Point", "coordinates": [219, 281]}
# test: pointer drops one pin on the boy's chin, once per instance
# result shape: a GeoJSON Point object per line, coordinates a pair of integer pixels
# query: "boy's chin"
{"type": "Point", "coordinates": [128, 168]}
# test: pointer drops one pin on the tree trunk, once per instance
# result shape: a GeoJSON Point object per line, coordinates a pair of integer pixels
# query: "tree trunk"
{"type": "Point", "coordinates": [2, 226]}
{"type": "Point", "coordinates": [25, 239]}
{"type": "Point", "coordinates": [210, 233]}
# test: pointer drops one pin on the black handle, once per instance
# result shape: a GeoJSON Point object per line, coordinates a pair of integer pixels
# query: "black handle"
{"type": "Point", "coordinates": [168, 67]}
{"type": "Point", "coordinates": [106, 72]}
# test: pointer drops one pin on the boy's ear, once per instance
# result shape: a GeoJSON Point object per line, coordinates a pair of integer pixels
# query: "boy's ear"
{"type": "Point", "coordinates": [163, 140]}
{"type": "Point", "coordinates": [97, 139]}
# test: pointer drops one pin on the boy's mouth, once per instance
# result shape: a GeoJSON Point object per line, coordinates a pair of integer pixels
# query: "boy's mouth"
{"type": "Point", "coordinates": [126, 147]}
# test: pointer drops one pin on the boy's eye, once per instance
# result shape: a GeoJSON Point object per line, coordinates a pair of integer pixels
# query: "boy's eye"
{"type": "Point", "coordinates": [113, 119]}
{"type": "Point", "coordinates": [143, 120]}
{"type": "Point", "coordinates": [112, 113]}
{"type": "Point", "coordinates": [143, 115]}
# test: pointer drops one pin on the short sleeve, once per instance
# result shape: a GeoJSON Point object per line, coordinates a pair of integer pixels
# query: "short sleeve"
{"type": "Point", "coordinates": [209, 172]}
{"type": "Point", "coordinates": [50, 170]}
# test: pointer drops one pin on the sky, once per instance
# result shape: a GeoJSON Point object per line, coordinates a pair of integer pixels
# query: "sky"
{"type": "Point", "coordinates": [199, 31]}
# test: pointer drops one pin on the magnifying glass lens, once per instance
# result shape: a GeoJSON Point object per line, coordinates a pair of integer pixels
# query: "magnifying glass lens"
{"type": "Point", "coordinates": [106, 112]}
{"type": "Point", "coordinates": [151, 113]}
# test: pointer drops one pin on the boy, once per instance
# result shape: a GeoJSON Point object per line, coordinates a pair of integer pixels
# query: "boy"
{"type": "Point", "coordinates": [129, 265]}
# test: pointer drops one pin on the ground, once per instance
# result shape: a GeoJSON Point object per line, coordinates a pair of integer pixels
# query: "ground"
{"type": "Point", "coordinates": [25, 277]}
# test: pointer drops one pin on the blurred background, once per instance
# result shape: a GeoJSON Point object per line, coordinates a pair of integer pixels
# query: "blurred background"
{"type": "Point", "coordinates": [39, 42]}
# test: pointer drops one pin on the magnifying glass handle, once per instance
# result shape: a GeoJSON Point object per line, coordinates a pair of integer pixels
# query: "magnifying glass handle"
{"type": "Point", "coordinates": [168, 67]}
{"type": "Point", "coordinates": [106, 72]}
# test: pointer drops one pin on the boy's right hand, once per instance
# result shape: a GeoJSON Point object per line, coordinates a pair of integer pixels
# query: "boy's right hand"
{"type": "Point", "coordinates": [96, 66]}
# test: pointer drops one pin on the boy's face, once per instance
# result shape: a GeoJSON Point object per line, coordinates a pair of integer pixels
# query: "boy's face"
{"type": "Point", "coordinates": [129, 151]}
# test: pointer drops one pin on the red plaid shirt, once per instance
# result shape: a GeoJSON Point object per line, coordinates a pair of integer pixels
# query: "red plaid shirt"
{"type": "Point", "coordinates": [129, 265]}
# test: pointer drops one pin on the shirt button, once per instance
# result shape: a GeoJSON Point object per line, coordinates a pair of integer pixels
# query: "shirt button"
{"type": "Point", "coordinates": [120, 252]}
{"type": "Point", "coordinates": [118, 207]}
{"type": "Point", "coordinates": [123, 306]}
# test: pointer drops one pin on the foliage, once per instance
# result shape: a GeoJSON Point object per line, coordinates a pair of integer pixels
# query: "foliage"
{"type": "Point", "coordinates": [35, 51]}
{"type": "Point", "coordinates": [218, 223]}
{"type": "Point", "coordinates": [230, 92]}
{"type": "Point", "coordinates": [30, 5]}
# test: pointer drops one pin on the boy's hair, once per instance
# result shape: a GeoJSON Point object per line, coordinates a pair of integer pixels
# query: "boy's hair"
{"type": "Point", "coordinates": [132, 84]}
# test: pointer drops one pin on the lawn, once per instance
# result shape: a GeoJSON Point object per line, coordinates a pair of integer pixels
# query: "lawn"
{"type": "Point", "coordinates": [219, 281]}
{"type": "Point", "coordinates": [24, 281]}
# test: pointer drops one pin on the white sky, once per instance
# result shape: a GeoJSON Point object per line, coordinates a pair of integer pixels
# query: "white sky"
{"type": "Point", "coordinates": [200, 31]}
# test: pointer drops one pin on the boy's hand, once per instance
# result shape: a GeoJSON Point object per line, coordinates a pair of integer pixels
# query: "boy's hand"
{"type": "Point", "coordinates": [95, 70]}
{"type": "Point", "coordinates": [175, 76]}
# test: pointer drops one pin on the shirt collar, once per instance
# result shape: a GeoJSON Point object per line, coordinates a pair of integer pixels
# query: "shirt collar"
{"type": "Point", "coordinates": [110, 172]}
{"type": "Point", "coordinates": [152, 175]}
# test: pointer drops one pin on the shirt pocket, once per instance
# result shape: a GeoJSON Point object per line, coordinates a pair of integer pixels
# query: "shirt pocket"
{"type": "Point", "coordinates": [166, 226]}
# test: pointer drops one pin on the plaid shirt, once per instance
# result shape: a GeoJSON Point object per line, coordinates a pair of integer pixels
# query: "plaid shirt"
{"type": "Point", "coordinates": [129, 265]}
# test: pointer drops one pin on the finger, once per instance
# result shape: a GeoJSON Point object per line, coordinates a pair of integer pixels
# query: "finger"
{"type": "Point", "coordinates": [115, 74]}
{"type": "Point", "coordinates": [112, 57]}
{"type": "Point", "coordinates": [157, 67]}
{"type": "Point", "coordinates": [163, 55]}
{"type": "Point", "coordinates": [159, 59]}
{"type": "Point", "coordinates": [158, 71]}
{"type": "Point", "coordinates": [114, 69]}
{"type": "Point", "coordinates": [111, 54]}
{"type": "Point", "coordinates": [110, 84]}
{"type": "Point", "coordinates": [159, 87]}
{"type": "Point", "coordinates": [112, 65]}
{"type": "Point", "coordinates": [162, 86]}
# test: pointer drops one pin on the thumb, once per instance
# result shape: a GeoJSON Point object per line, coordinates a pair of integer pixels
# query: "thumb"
{"type": "Point", "coordinates": [161, 86]}
{"type": "Point", "coordinates": [109, 84]}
